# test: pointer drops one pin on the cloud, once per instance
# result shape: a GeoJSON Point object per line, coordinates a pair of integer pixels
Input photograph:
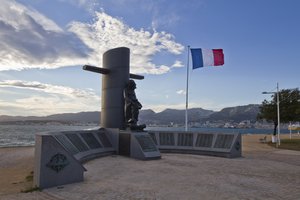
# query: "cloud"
{"type": "Point", "coordinates": [165, 20]}
{"type": "Point", "coordinates": [48, 88]}
{"type": "Point", "coordinates": [28, 40]}
{"type": "Point", "coordinates": [88, 5]}
{"type": "Point", "coordinates": [167, 15]}
{"type": "Point", "coordinates": [177, 64]}
{"type": "Point", "coordinates": [181, 92]}
{"type": "Point", "coordinates": [48, 99]}
{"type": "Point", "coordinates": [108, 32]}
{"type": "Point", "coordinates": [35, 106]}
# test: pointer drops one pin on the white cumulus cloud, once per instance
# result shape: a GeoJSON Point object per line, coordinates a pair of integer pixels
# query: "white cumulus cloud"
{"type": "Point", "coordinates": [108, 32]}
{"type": "Point", "coordinates": [177, 63]}
{"type": "Point", "coordinates": [47, 99]}
{"type": "Point", "coordinates": [28, 39]}
{"type": "Point", "coordinates": [48, 88]}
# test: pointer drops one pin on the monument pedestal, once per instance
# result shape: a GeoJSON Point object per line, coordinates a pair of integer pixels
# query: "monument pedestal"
{"type": "Point", "coordinates": [54, 165]}
{"type": "Point", "coordinates": [138, 145]}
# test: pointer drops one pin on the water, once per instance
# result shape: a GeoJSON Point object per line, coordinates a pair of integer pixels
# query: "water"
{"type": "Point", "coordinates": [23, 135]}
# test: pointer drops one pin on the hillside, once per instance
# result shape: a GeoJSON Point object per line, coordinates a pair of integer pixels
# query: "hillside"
{"type": "Point", "coordinates": [174, 116]}
{"type": "Point", "coordinates": [84, 117]}
{"type": "Point", "coordinates": [77, 117]}
{"type": "Point", "coordinates": [236, 114]}
{"type": "Point", "coordinates": [233, 114]}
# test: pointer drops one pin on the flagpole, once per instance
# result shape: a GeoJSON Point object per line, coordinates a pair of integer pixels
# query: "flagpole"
{"type": "Point", "coordinates": [187, 90]}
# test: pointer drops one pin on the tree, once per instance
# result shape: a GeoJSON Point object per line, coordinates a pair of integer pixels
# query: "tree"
{"type": "Point", "coordinates": [289, 104]}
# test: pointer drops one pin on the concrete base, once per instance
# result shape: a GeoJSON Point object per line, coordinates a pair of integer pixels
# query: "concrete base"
{"type": "Point", "coordinates": [227, 145]}
{"type": "Point", "coordinates": [138, 145]}
{"type": "Point", "coordinates": [58, 156]}
{"type": "Point", "coordinates": [54, 165]}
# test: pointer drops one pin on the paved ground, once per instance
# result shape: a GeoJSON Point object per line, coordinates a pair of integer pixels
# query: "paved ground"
{"type": "Point", "coordinates": [262, 173]}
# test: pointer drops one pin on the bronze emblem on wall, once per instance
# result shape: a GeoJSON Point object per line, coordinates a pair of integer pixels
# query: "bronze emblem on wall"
{"type": "Point", "coordinates": [58, 162]}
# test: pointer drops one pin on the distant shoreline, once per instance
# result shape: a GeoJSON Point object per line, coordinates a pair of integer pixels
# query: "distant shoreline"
{"type": "Point", "coordinates": [24, 135]}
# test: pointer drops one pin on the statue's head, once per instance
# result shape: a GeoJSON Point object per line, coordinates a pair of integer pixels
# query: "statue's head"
{"type": "Point", "coordinates": [131, 84]}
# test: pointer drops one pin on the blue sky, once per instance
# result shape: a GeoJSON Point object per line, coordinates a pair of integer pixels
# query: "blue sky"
{"type": "Point", "coordinates": [44, 45]}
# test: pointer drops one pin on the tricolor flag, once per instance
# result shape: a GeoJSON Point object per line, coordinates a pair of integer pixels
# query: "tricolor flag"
{"type": "Point", "coordinates": [207, 57]}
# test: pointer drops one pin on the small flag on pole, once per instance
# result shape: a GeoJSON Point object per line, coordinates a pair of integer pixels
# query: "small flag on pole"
{"type": "Point", "coordinates": [207, 57]}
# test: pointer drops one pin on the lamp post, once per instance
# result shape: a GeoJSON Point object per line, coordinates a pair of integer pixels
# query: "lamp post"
{"type": "Point", "coordinates": [278, 114]}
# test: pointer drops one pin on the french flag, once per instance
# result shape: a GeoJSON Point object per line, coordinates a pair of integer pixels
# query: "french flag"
{"type": "Point", "coordinates": [207, 57]}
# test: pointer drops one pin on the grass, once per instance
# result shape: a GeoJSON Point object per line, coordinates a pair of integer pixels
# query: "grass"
{"type": "Point", "coordinates": [29, 179]}
{"type": "Point", "coordinates": [293, 144]}
{"type": "Point", "coordinates": [31, 189]}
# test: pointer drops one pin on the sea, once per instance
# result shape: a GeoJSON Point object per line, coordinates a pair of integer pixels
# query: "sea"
{"type": "Point", "coordinates": [24, 135]}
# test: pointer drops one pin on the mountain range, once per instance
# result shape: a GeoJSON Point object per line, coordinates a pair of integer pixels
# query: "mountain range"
{"type": "Point", "coordinates": [232, 114]}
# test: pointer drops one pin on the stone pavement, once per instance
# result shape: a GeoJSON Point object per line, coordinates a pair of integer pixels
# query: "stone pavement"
{"type": "Point", "coordinates": [262, 173]}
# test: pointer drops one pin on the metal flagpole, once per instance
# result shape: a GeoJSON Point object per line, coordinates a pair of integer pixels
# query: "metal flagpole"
{"type": "Point", "coordinates": [187, 90]}
{"type": "Point", "coordinates": [278, 116]}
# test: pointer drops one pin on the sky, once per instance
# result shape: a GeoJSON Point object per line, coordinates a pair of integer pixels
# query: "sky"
{"type": "Point", "coordinates": [44, 44]}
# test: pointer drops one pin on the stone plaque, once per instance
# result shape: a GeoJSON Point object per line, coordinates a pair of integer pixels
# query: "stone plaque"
{"type": "Point", "coordinates": [75, 139]}
{"type": "Point", "coordinates": [103, 138]}
{"type": "Point", "coordinates": [146, 143]}
{"type": "Point", "coordinates": [224, 141]}
{"type": "Point", "coordinates": [90, 139]}
{"type": "Point", "coordinates": [185, 139]}
{"type": "Point", "coordinates": [152, 134]}
{"type": "Point", "coordinates": [204, 140]}
{"type": "Point", "coordinates": [166, 138]}
{"type": "Point", "coordinates": [66, 144]}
